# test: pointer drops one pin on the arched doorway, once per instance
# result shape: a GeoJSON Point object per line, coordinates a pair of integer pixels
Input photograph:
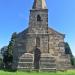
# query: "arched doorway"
{"type": "Point", "coordinates": [37, 55]}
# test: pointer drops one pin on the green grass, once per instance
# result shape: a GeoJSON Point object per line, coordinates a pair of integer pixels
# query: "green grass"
{"type": "Point", "coordinates": [70, 72]}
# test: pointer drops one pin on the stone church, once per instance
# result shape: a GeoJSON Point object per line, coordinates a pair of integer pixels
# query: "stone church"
{"type": "Point", "coordinates": [39, 46]}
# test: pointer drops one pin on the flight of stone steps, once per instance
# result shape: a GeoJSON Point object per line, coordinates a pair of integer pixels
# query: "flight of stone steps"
{"type": "Point", "coordinates": [26, 61]}
{"type": "Point", "coordinates": [65, 62]}
{"type": "Point", "coordinates": [47, 63]}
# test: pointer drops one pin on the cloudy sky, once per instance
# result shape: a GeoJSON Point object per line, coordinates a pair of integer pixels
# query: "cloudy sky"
{"type": "Point", "coordinates": [14, 17]}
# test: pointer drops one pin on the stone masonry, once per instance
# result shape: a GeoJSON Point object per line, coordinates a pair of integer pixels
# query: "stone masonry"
{"type": "Point", "coordinates": [48, 41]}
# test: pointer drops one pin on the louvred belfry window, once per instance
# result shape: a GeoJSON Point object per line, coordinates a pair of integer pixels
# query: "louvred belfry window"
{"type": "Point", "coordinates": [38, 18]}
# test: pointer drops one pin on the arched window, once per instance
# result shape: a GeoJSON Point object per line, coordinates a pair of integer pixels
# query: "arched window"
{"type": "Point", "coordinates": [38, 18]}
{"type": "Point", "coordinates": [37, 41]}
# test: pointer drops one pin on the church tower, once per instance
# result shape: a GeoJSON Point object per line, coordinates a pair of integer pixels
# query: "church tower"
{"type": "Point", "coordinates": [38, 20]}
{"type": "Point", "coordinates": [38, 26]}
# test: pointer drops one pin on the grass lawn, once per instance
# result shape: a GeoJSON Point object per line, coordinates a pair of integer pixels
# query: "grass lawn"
{"type": "Point", "coordinates": [70, 72]}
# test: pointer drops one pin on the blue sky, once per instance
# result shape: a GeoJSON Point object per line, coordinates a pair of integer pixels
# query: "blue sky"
{"type": "Point", "coordinates": [14, 17]}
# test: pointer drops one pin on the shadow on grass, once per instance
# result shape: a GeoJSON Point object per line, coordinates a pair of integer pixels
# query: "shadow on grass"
{"type": "Point", "coordinates": [8, 70]}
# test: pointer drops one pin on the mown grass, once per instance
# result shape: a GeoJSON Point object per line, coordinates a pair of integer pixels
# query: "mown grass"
{"type": "Point", "coordinates": [69, 72]}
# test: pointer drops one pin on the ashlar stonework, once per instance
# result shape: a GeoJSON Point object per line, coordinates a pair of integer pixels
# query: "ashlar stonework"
{"type": "Point", "coordinates": [39, 35]}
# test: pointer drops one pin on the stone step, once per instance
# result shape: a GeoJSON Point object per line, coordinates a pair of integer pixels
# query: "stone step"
{"type": "Point", "coordinates": [44, 57]}
{"type": "Point", "coordinates": [48, 69]}
{"type": "Point", "coordinates": [51, 61]}
{"type": "Point", "coordinates": [28, 64]}
{"type": "Point", "coordinates": [25, 68]}
{"type": "Point", "coordinates": [47, 62]}
{"type": "Point", "coordinates": [26, 60]}
{"type": "Point", "coordinates": [48, 65]}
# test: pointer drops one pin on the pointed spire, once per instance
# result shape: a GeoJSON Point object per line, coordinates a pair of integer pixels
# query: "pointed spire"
{"type": "Point", "coordinates": [39, 4]}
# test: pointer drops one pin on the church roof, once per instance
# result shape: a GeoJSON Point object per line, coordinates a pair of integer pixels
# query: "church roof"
{"type": "Point", "coordinates": [52, 31]}
{"type": "Point", "coordinates": [39, 4]}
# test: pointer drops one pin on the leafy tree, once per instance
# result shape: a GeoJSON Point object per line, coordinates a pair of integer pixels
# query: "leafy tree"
{"type": "Point", "coordinates": [11, 44]}
{"type": "Point", "coordinates": [68, 51]}
{"type": "Point", "coordinates": [3, 49]}
{"type": "Point", "coordinates": [8, 55]}
{"type": "Point", "coordinates": [1, 63]}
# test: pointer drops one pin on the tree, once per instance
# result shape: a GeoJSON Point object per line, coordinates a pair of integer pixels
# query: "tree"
{"type": "Point", "coordinates": [11, 44]}
{"type": "Point", "coordinates": [68, 51]}
{"type": "Point", "coordinates": [3, 49]}
{"type": "Point", "coordinates": [1, 66]}
{"type": "Point", "coordinates": [10, 48]}
{"type": "Point", "coordinates": [8, 55]}
{"type": "Point", "coordinates": [3, 53]}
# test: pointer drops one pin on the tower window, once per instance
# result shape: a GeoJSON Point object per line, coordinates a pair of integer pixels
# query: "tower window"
{"type": "Point", "coordinates": [38, 18]}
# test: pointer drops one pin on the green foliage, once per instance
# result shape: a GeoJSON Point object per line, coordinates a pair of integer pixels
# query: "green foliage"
{"type": "Point", "coordinates": [72, 60]}
{"type": "Point", "coordinates": [68, 51]}
{"type": "Point", "coordinates": [8, 54]}
{"type": "Point", "coordinates": [0, 60]}
{"type": "Point", "coordinates": [1, 63]}
{"type": "Point", "coordinates": [11, 44]}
